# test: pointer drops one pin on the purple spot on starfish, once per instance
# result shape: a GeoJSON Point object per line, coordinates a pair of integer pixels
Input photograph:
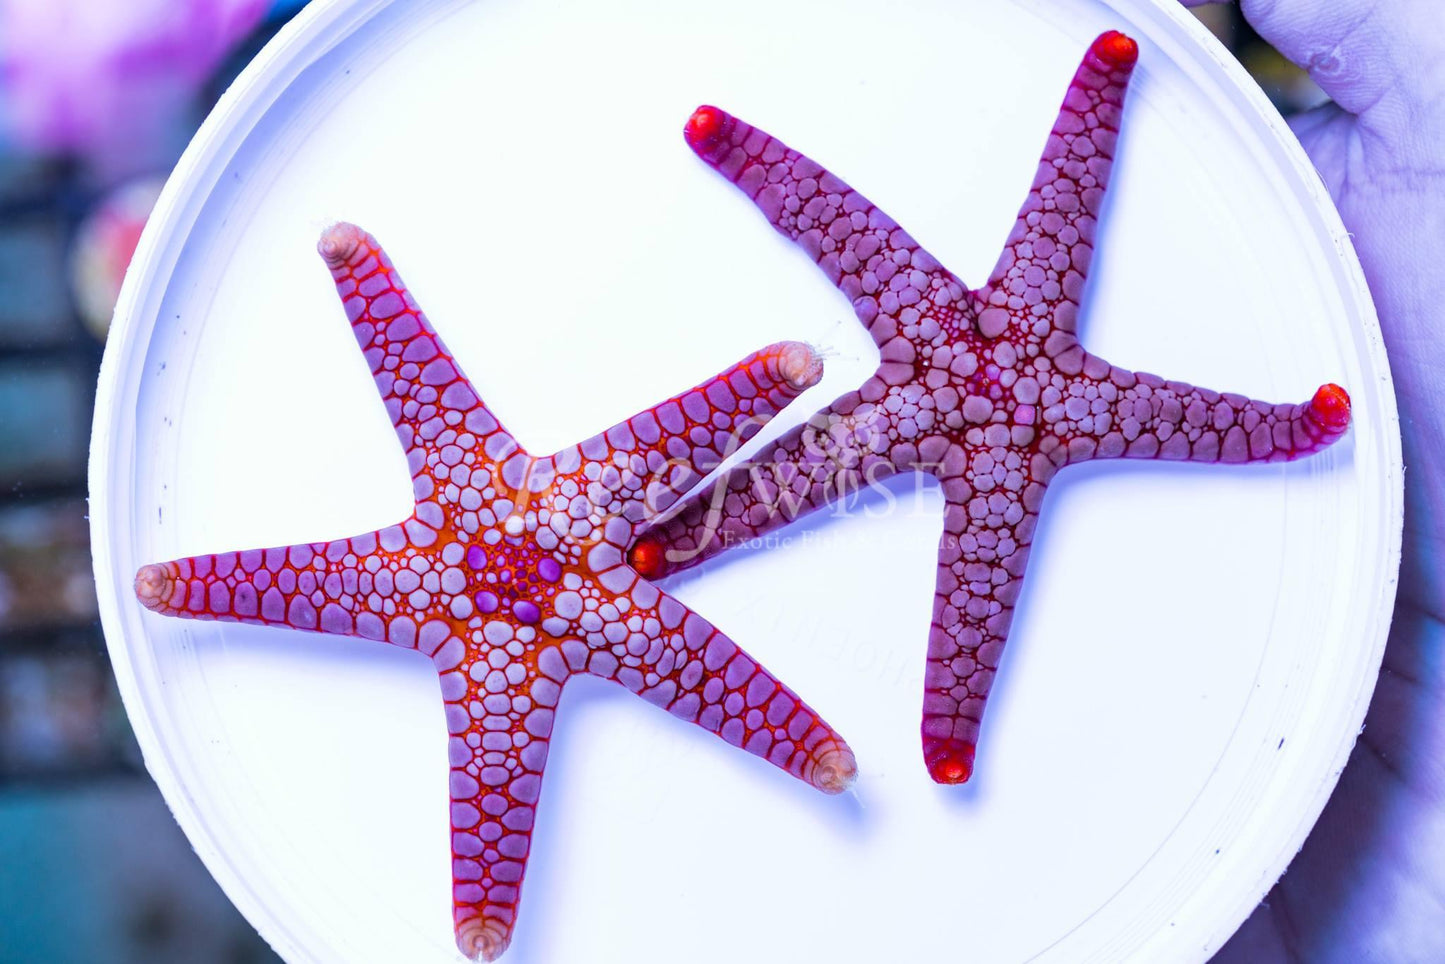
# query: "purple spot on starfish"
{"type": "Point", "coordinates": [526, 611]}
{"type": "Point", "coordinates": [549, 569]}
{"type": "Point", "coordinates": [487, 601]}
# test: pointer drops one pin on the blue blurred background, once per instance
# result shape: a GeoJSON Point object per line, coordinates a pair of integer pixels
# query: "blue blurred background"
{"type": "Point", "coordinates": [97, 101]}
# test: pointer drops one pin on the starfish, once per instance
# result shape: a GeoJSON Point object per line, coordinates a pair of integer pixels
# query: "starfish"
{"type": "Point", "coordinates": [510, 576]}
{"type": "Point", "coordinates": [987, 390]}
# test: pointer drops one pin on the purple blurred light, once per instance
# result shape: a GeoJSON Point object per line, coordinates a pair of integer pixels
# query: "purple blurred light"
{"type": "Point", "coordinates": [111, 82]}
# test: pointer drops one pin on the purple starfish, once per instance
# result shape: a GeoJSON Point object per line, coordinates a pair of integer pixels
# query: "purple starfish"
{"type": "Point", "coordinates": [987, 390]}
{"type": "Point", "coordinates": [509, 575]}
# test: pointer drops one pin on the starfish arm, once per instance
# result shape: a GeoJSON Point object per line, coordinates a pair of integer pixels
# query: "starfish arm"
{"type": "Point", "coordinates": [432, 405]}
{"type": "Point", "coordinates": [838, 452]}
{"type": "Point", "coordinates": [499, 714]}
{"type": "Point", "coordinates": [1110, 413]}
{"type": "Point", "coordinates": [658, 648]}
{"type": "Point", "coordinates": [366, 586]}
{"type": "Point", "coordinates": [319, 586]}
{"type": "Point", "coordinates": [639, 468]}
{"type": "Point", "coordinates": [1041, 273]}
{"type": "Point", "coordinates": [900, 292]}
{"type": "Point", "coordinates": [981, 559]}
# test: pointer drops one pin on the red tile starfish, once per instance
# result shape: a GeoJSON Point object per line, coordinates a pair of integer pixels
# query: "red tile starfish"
{"type": "Point", "coordinates": [988, 390]}
{"type": "Point", "coordinates": [510, 576]}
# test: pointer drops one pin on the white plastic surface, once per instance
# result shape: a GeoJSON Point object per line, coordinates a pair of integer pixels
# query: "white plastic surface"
{"type": "Point", "coordinates": [1195, 646]}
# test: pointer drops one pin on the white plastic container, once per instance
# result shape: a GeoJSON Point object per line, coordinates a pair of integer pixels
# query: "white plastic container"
{"type": "Point", "coordinates": [1195, 648]}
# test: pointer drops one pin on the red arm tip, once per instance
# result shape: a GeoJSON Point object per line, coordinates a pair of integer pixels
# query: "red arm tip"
{"type": "Point", "coordinates": [949, 761]}
{"type": "Point", "coordinates": [1117, 48]}
{"type": "Point", "coordinates": [645, 556]}
{"type": "Point", "coordinates": [1331, 406]}
{"type": "Point", "coordinates": [703, 126]}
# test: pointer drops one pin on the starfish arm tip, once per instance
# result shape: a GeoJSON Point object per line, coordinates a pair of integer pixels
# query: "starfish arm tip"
{"type": "Point", "coordinates": [836, 770]}
{"type": "Point", "coordinates": [1330, 407]}
{"type": "Point", "coordinates": [1117, 48]}
{"type": "Point", "coordinates": [338, 243]}
{"type": "Point", "coordinates": [799, 365]}
{"type": "Point", "coordinates": [950, 761]}
{"type": "Point", "coordinates": [482, 939]}
{"type": "Point", "coordinates": [153, 585]}
{"type": "Point", "coordinates": [647, 556]}
{"type": "Point", "coordinates": [704, 126]}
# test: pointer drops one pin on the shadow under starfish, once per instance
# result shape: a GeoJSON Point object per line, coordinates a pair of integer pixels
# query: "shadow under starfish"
{"type": "Point", "coordinates": [510, 576]}
{"type": "Point", "coordinates": [988, 390]}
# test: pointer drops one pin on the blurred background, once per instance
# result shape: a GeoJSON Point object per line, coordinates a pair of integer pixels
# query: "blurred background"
{"type": "Point", "coordinates": [97, 101]}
